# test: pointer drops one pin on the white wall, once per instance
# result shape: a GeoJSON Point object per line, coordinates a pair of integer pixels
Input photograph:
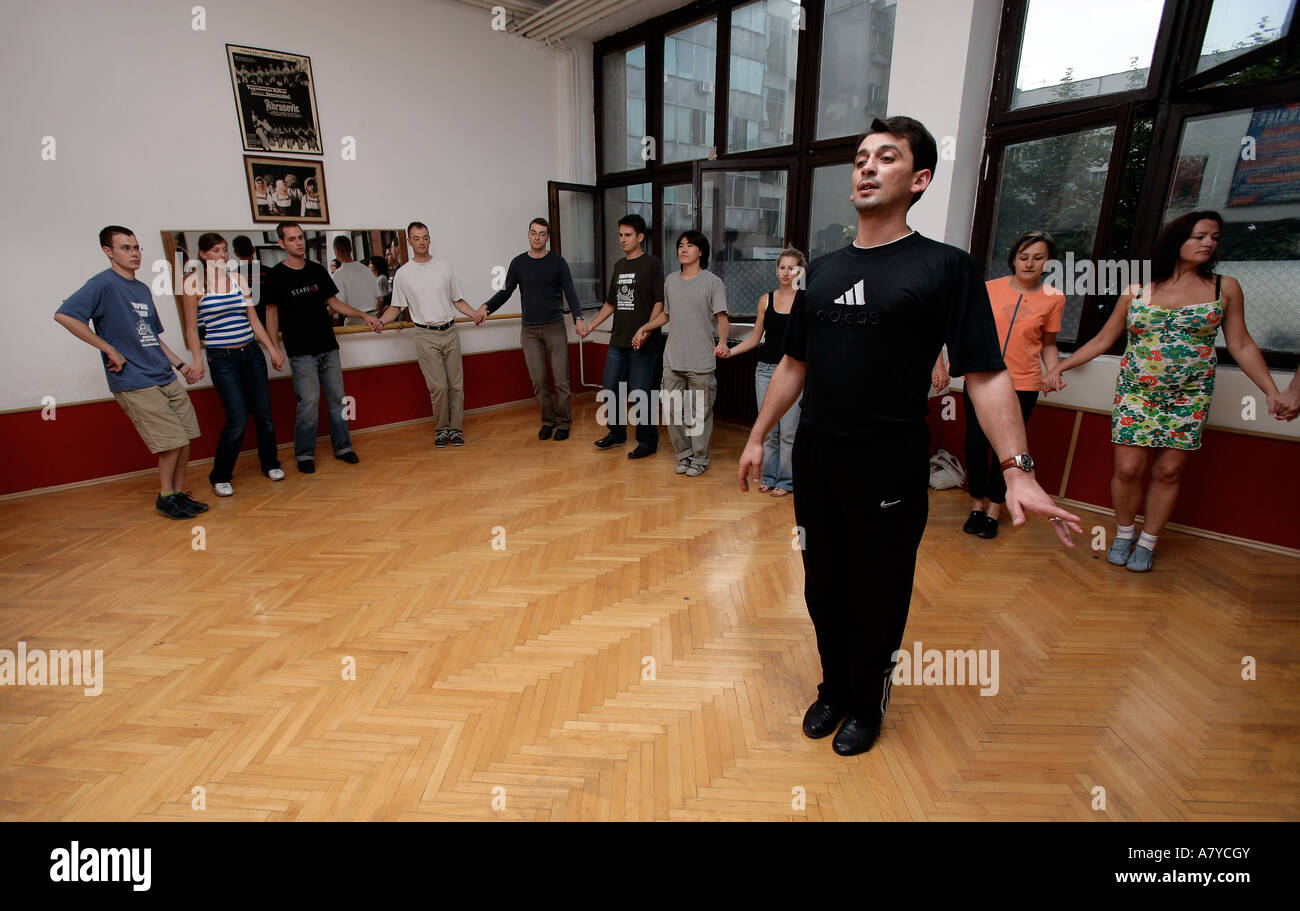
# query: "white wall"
{"type": "Point", "coordinates": [455, 125]}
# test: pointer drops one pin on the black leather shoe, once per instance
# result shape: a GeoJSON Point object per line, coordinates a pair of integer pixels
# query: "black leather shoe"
{"type": "Point", "coordinates": [820, 720]}
{"type": "Point", "coordinates": [990, 529]}
{"type": "Point", "coordinates": [307, 466]}
{"type": "Point", "coordinates": [640, 452]}
{"type": "Point", "coordinates": [608, 441]}
{"type": "Point", "coordinates": [350, 457]}
{"type": "Point", "coordinates": [544, 433]}
{"type": "Point", "coordinates": [855, 736]}
{"type": "Point", "coordinates": [975, 523]}
{"type": "Point", "coordinates": [562, 434]}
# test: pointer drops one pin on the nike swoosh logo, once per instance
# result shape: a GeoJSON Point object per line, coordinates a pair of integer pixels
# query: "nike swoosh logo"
{"type": "Point", "coordinates": [884, 505]}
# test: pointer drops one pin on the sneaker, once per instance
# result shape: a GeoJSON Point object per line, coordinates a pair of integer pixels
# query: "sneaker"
{"type": "Point", "coordinates": [561, 434]}
{"type": "Point", "coordinates": [457, 438]}
{"type": "Point", "coordinates": [192, 504]}
{"type": "Point", "coordinates": [172, 507]}
{"type": "Point", "coordinates": [1119, 551]}
{"type": "Point", "coordinates": [694, 471]}
{"type": "Point", "coordinates": [442, 439]}
{"type": "Point", "coordinates": [223, 489]}
{"type": "Point", "coordinates": [545, 433]}
{"type": "Point", "coordinates": [640, 452]}
{"type": "Point", "coordinates": [1140, 560]}
{"type": "Point", "coordinates": [350, 457]}
{"type": "Point", "coordinates": [307, 466]}
{"type": "Point", "coordinates": [990, 529]}
{"type": "Point", "coordinates": [608, 441]}
{"type": "Point", "coordinates": [682, 466]}
{"type": "Point", "coordinates": [276, 474]}
{"type": "Point", "coordinates": [975, 522]}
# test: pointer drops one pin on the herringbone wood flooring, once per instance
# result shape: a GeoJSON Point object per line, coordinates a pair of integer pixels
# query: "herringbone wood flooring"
{"type": "Point", "coordinates": [520, 675]}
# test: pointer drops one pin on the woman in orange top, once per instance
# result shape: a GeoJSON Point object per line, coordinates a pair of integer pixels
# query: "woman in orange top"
{"type": "Point", "coordinates": [1028, 315]}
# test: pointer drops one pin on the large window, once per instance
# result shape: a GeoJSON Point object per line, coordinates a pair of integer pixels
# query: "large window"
{"type": "Point", "coordinates": [1105, 138]}
{"type": "Point", "coordinates": [690, 69]}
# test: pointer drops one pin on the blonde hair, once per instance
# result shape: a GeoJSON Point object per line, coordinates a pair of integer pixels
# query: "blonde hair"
{"type": "Point", "coordinates": [796, 254]}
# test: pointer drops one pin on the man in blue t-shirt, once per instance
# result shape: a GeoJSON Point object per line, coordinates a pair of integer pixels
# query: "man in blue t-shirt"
{"type": "Point", "coordinates": [138, 365]}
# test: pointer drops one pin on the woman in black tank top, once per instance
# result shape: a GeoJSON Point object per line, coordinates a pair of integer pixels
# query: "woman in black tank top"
{"type": "Point", "coordinates": [769, 327]}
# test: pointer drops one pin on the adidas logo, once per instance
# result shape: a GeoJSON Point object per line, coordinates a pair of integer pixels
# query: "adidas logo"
{"type": "Point", "coordinates": [854, 297]}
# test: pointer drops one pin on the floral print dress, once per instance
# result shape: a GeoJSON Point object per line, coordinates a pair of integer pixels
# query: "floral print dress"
{"type": "Point", "coordinates": [1166, 377]}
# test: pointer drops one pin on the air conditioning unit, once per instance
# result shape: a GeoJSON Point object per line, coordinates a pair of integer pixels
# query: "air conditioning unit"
{"type": "Point", "coordinates": [706, 86]}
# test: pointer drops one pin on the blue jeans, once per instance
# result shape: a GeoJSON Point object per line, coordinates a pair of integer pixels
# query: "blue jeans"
{"type": "Point", "coordinates": [634, 368]}
{"type": "Point", "coordinates": [779, 444]}
{"type": "Point", "coordinates": [310, 372]}
{"type": "Point", "coordinates": [239, 376]}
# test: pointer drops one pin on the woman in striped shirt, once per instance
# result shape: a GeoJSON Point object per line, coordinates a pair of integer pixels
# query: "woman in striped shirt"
{"type": "Point", "coordinates": [219, 301]}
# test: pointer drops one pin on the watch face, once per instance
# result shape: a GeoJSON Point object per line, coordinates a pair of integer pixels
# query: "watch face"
{"type": "Point", "coordinates": [1024, 461]}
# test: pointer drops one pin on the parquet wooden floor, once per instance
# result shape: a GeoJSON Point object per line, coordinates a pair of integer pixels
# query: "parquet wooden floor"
{"type": "Point", "coordinates": [517, 683]}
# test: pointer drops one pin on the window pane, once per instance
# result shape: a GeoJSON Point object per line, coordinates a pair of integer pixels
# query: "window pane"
{"type": "Point", "coordinates": [577, 217]}
{"type": "Point", "coordinates": [857, 46]}
{"type": "Point", "coordinates": [1055, 185]}
{"type": "Point", "coordinates": [1240, 26]}
{"type": "Point", "coordinates": [624, 109]}
{"type": "Point", "coordinates": [1070, 51]}
{"type": "Point", "coordinates": [691, 92]}
{"type": "Point", "coordinates": [764, 62]}
{"type": "Point", "coordinates": [678, 217]}
{"type": "Point", "coordinates": [744, 219]}
{"type": "Point", "coordinates": [834, 220]}
{"type": "Point", "coordinates": [1257, 191]}
{"type": "Point", "coordinates": [620, 201]}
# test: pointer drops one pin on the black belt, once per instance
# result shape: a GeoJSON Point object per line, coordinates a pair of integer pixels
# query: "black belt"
{"type": "Point", "coordinates": [438, 328]}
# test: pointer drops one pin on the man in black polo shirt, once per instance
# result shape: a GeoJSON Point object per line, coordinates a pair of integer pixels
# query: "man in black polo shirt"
{"type": "Point", "coordinates": [862, 337]}
{"type": "Point", "coordinates": [299, 297]}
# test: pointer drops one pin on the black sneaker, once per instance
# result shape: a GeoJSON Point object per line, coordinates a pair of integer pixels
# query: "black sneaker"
{"type": "Point", "coordinates": [442, 439]}
{"type": "Point", "coordinates": [194, 505]}
{"type": "Point", "coordinates": [561, 434]}
{"type": "Point", "coordinates": [545, 433]}
{"type": "Point", "coordinates": [350, 457]}
{"type": "Point", "coordinates": [641, 452]}
{"type": "Point", "coordinates": [307, 466]}
{"type": "Point", "coordinates": [457, 438]}
{"type": "Point", "coordinates": [990, 529]}
{"type": "Point", "coordinates": [975, 523]}
{"type": "Point", "coordinates": [173, 507]}
{"type": "Point", "coordinates": [609, 441]}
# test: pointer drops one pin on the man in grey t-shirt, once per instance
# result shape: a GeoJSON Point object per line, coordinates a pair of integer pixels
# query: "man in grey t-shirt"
{"type": "Point", "coordinates": [357, 285]}
{"type": "Point", "coordinates": [693, 297]}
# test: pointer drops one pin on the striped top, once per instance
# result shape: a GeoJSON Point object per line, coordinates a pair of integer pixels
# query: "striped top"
{"type": "Point", "coordinates": [226, 318]}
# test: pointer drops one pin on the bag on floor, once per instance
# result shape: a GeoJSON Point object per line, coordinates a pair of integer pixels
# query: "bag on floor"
{"type": "Point", "coordinates": [946, 471]}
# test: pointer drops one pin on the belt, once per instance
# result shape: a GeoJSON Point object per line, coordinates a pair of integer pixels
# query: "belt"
{"type": "Point", "coordinates": [437, 328]}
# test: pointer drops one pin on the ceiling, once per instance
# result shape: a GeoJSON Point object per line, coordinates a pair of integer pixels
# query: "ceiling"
{"type": "Point", "coordinates": [588, 20]}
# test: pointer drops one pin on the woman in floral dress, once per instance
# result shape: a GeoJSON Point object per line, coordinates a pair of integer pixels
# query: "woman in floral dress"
{"type": "Point", "coordinates": [1166, 377]}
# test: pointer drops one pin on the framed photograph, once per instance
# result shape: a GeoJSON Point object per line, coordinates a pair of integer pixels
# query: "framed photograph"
{"type": "Point", "coordinates": [286, 189]}
{"type": "Point", "coordinates": [275, 99]}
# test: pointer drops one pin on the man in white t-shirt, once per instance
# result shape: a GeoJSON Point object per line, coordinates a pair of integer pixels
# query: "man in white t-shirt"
{"type": "Point", "coordinates": [429, 287]}
{"type": "Point", "coordinates": [356, 283]}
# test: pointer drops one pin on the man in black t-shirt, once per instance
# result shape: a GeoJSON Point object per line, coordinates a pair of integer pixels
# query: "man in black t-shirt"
{"type": "Point", "coordinates": [636, 287]}
{"type": "Point", "coordinates": [299, 296]}
{"type": "Point", "coordinates": [862, 337]}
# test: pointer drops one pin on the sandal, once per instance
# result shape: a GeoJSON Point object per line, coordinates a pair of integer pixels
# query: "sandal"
{"type": "Point", "coordinates": [763, 488]}
{"type": "Point", "coordinates": [780, 492]}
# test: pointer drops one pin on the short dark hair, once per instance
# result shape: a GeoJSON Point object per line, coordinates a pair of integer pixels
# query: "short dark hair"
{"type": "Point", "coordinates": [380, 264]}
{"type": "Point", "coordinates": [343, 245]}
{"type": "Point", "coordinates": [416, 224]}
{"type": "Point", "coordinates": [925, 153]}
{"type": "Point", "coordinates": [698, 239]}
{"type": "Point", "coordinates": [1164, 258]}
{"type": "Point", "coordinates": [106, 234]}
{"type": "Point", "coordinates": [242, 246]}
{"type": "Point", "coordinates": [635, 222]}
{"type": "Point", "coordinates": [540, 221]}
{"type": "Point", "coordinates": [1031, 237]}
{"type": "Point", "coordinates": [285, 226]}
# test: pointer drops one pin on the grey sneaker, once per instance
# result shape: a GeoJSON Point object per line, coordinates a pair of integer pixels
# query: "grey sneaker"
{"type": "Point", "coordinates": [442, 439]}
{"type": "Point", "coordinates": [694, 471]}
{"type": "Point", "coordinates": [1119, 551]}
{"type": "Point", "coordinates": [682, 466]}
{"type": "Point", "coordinates": [1140, 560]}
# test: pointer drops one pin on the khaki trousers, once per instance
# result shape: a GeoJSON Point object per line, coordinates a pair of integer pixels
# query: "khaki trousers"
{"type": "Point", "coordinates": [438, 353]}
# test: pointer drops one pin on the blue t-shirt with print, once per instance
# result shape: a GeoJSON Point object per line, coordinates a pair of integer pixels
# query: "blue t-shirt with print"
{"type": "Point", "coordinates": [121, 312]}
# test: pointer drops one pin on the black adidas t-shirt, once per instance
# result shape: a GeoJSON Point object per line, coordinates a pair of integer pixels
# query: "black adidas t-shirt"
{"type": "Point", "coordinates": [302, 298]}
{"type": "Point", "coordinates": [869, 325]}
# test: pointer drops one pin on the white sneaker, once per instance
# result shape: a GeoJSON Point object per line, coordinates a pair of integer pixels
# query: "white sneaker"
{"type": "Point", "coordinates": [224, 489]}
{"type": "Point", "coordinates": [275, 474]}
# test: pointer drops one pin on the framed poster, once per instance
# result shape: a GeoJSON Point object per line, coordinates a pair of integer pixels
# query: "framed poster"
{"type": "Point", "coordinates": [286, 189]}
{"type": "Point", "coordinates": [275, 99]}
